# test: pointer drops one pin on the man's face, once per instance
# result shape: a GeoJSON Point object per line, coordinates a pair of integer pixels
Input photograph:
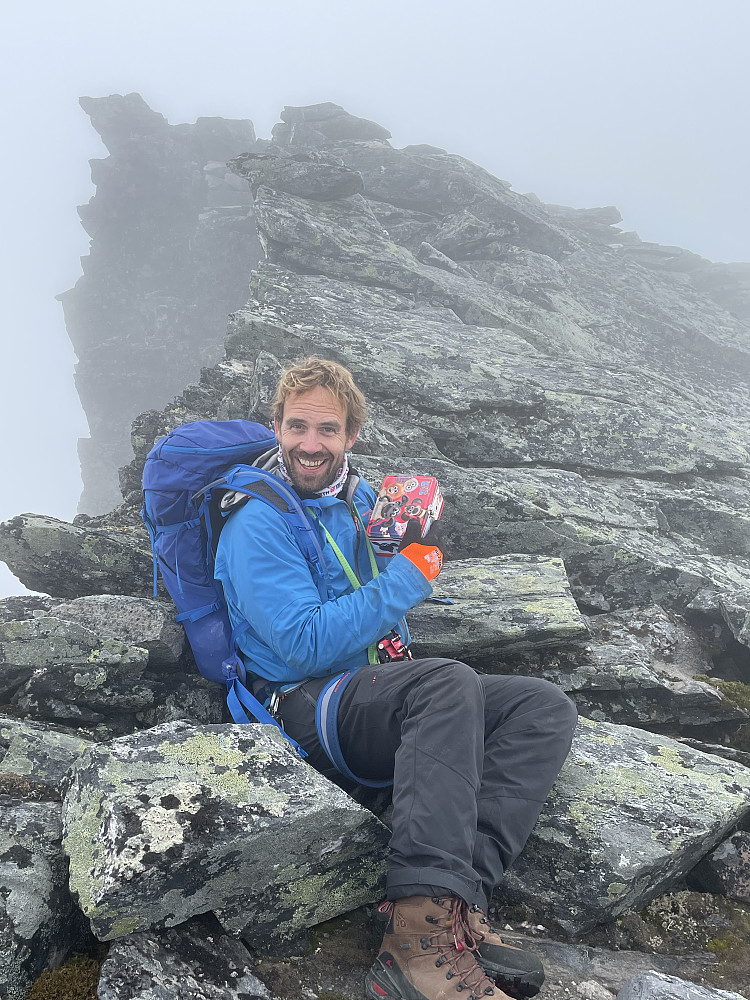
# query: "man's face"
{"type": "Point", "coordinates": [313, 439]}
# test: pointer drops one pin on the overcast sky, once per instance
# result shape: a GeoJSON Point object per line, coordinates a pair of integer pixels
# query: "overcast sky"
{"type": "Point", "coordinates": [638, 103]}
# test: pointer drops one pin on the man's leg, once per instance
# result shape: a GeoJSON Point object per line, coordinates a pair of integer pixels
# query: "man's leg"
{"type": "Point", "coordinates": [528, 725]}
{"type": "Point", "coordinates": [422, 721]}
{"type": "Point", "coordinates": [472, 757]}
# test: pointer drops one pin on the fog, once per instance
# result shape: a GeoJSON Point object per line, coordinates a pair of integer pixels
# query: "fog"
{"type": "Point", "coordinates": [643, 105]}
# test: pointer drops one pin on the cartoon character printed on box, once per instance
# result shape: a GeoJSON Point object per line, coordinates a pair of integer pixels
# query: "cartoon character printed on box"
{"type": "Point", "coordinates": [383, 521]}
{"type": "Point", "coordinates": [412, 510]}
{"type": "Point", "coordinates": [395, 491]}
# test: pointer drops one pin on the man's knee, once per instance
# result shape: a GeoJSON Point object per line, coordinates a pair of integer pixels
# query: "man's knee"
{"type": "Point", "coordinates": [453, 674]}
{"type": "Point", "coordinates": [556, 701]}
{"type": "Point", "coordinates": [451, 684]}
{"type": "Point", "coordinates": [520, 693]}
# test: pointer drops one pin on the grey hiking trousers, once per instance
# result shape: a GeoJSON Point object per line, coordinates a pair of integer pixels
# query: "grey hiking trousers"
{"type": "Point", "coordinates": [472, 757]}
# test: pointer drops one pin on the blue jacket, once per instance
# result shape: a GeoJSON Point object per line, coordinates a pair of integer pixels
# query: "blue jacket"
{"type": "Point", "coordinates": [293, 632]}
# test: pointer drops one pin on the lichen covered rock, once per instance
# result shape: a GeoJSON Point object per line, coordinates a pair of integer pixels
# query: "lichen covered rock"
{"type": "Point", "coordinates": [189, 819]}
{"type": "Point", "coordinates": [194, 961]}
{"type": "Point", "coordinates": [39, 923]}
{"type": "Point", "coordinates": [497, 603]}
{"type": "Point", "coordinates": [629, 814]}
{"type": "Point", "coordinates": [726, 869]}
{"type": "Point", "coordinates": [67, 560]}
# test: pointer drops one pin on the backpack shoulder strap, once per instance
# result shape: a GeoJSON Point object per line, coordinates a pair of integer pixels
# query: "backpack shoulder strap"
{"type": "Point", "coordinates": [269, 489]}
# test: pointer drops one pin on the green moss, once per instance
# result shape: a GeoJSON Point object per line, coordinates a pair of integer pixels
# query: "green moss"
{"type": "Point", "coordinates": [77, 979]}
{"type": "Point", "coordinates": [722, 946]}
{"type": "Point", "coordinates": [734, 692]}
{"type": "Point", "coordinates": [616, 890]}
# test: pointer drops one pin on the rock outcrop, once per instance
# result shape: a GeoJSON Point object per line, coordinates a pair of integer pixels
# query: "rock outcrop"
{"type": "Point", "coordinates": [227, 819]}
{"type": "Point", "coordinates": [581, 397]}
{"type": "Point", "coordinates": [172, 242]}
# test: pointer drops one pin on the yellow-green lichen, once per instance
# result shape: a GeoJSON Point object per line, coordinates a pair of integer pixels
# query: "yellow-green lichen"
{"type": "Point", "coordinates": [122, 927]}
{"type": "Point", "coordinates": [669, 758]}
{"type": "Point", "coordinates": [205, 753]}
{"type": "Point", "coordinates": [616, 890]}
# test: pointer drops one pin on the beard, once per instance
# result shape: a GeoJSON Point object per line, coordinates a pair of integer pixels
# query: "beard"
{"type": "Point", "coordinates": [308, 484]}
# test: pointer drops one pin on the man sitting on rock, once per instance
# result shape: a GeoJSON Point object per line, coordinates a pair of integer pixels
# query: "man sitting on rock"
{"type": "Point", "coordinates": [472, 756]}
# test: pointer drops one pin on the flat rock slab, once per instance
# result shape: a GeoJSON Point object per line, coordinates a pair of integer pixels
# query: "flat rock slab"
{"type": "Point", "coordinates": [194, 961]}
{"type": "Point", "coordinates": [610, 969]}
{"type": "Point", "coordinates": [137, 621]}
{"type": "Point", "coordinates": [324, 181]}
{"type": "Point", "coordinates": [179, 820]}
{"type": "Point", "coordinates": [497, 603]}
{"type": "Point", "coordinates": [656, 986]}
{"type": "Point", "coordinates": [67, 560]}
{"type": "Point", "coordinates": [630, 813]}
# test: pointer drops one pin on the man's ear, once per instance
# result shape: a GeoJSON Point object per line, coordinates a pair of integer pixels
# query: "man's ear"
{"type": "Point", "coordinates": [351, 439]}
{"type": "Point", "coordinates": [276, 428]}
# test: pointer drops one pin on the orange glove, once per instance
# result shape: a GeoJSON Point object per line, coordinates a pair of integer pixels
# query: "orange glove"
{"type": "Point", "coordinates": [425, 553]}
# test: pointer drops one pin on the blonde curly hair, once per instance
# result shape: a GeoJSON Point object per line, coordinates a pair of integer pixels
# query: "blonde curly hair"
{"type": "Point", "coordinates": [309, 373]}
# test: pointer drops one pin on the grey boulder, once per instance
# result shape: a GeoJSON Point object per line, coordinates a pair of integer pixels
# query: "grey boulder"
{"type": "Point", "coordinates": [496, 603]}
{"type": "Point", "coordinates": [42, 755]}
{"type": "Point", "coordinates": [298, 176]}
{"type": "Point", "coordinates": [39, 923]}
{"type": "Point", "coordinates": [195, 961]}
{"type": "Point", "coordinates": [656, 986]}
{"type": "Point", "coordinates": [68, 560]}
{"type": "Point", "coordinates": [630, 813]}
{"type": "Point", "coordinates": [178, 820]}
{"type": "Point", "coordinates": [137, 621]}
{"type": "Point", "coordinates": [641, 667]}
{"type": "Point", "coordinates": [83, 665]}
{"type": "Point", "coordinates": [726, 870]}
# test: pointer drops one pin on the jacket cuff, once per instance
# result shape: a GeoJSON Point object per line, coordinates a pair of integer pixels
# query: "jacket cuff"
{"type": "Point", "coordinates": [414, 577]}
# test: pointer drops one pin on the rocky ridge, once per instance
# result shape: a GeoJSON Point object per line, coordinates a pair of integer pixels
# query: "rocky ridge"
{"type": "Point", "coordinates": [582, 398]}
{"type": "Point", "coordinates": [172, 242]}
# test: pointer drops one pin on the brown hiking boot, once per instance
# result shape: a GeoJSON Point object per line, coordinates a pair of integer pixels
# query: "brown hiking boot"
{"type": "Point", "coordinates": [428, 953]}
{"type": "Point", "coordinates": [513, 969]}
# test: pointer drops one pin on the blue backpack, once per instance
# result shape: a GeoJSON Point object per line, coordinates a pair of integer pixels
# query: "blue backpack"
{"type": "Point", "coordinates": [186, 475]}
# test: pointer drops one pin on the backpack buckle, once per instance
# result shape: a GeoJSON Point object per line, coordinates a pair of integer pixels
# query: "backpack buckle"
{"type": "Point", "coordinates": [391, 648]}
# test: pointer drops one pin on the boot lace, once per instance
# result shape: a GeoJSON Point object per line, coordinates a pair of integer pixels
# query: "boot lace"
{"type": "Point", "coordinates": [457, 947]}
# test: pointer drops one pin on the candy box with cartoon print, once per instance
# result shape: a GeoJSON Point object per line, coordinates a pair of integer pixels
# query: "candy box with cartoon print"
{"type": "Point", "coordinates": [400, 500]}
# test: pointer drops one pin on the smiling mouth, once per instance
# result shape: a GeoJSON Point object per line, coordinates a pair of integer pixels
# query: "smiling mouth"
{"type": "Point", "coordinates": [311, 465]}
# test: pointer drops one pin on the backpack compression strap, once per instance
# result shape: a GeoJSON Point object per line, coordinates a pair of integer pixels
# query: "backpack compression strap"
{"type": "Point", "coordinates": [326, 722]}
{"type": "Point", "coordinates": [240, 698]}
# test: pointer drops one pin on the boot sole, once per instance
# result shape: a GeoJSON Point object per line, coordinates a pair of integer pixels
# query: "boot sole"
{"type": "Point", "coordinates": [517, 982]}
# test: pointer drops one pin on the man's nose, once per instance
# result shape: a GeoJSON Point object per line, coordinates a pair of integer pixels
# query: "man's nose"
{"type": "Point", "coordinates": [310, 443]}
